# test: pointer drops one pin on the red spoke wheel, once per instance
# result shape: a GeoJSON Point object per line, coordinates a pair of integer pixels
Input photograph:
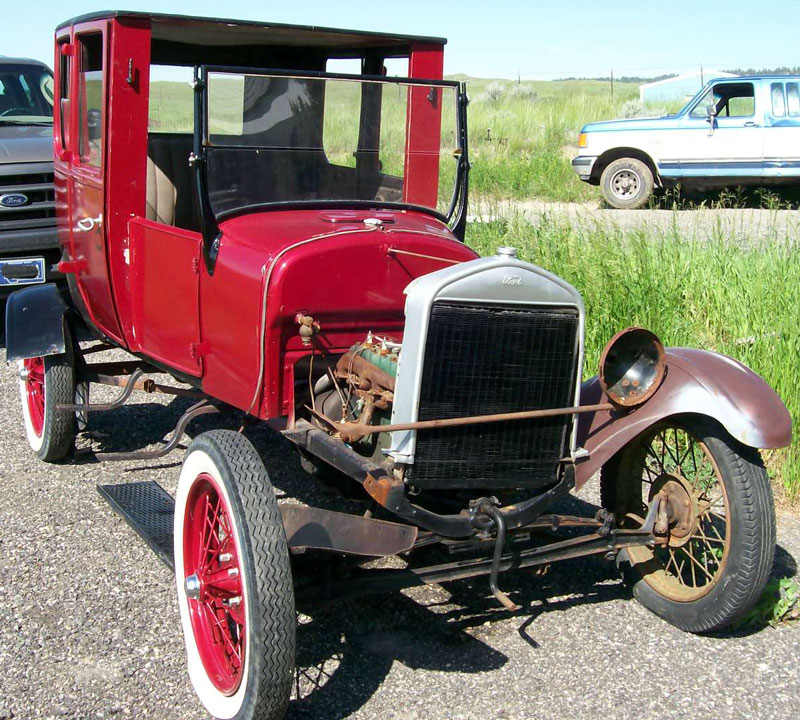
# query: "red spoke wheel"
{"type": "Point", "coordinates": [234, 580]}
{"type": "Point", "coordinates": [712, 566]}
{"type": "Point", "coordinates": [45, 383]}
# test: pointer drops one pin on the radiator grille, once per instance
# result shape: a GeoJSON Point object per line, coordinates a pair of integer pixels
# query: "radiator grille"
{"type": "Point", "coordinates": [482, 360]}
{"type": "Point", "coordinates": [38, 211]}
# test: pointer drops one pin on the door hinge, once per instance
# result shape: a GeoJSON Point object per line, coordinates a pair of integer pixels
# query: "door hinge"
{"type": "Point", "coordinates": [196, 265]}
{"type": "Point", "coordinates": [198, 350]}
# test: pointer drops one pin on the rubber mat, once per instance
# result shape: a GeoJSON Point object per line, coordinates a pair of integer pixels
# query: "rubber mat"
{"type": "Point", "coordinates": [148, 509]}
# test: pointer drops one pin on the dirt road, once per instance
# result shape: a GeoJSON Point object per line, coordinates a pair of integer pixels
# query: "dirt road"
{"type": "Point", "coordinates": [745, 224]}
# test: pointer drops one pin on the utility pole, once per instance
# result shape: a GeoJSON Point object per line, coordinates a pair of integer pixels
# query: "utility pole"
{"type": "Point", "coordinates": [702, 81]}
{"type": "Point", "coordinates": [612, 83]}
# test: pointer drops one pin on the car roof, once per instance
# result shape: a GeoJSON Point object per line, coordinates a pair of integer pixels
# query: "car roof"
{"type": "Point", "coordinates": [751, 78]}
{"type": "Point", "coordinates": [207, 30]}
{"type": "Point", "coordinates": [5, 60]}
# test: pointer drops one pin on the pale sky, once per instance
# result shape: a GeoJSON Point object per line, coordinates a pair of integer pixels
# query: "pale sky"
{"type": "Point", "coordinates": [498, 38]}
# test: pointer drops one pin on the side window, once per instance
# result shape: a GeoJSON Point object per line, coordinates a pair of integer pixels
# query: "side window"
{"type": "Point", "coordinates": [341, 120]}
{"type": "Point", "coordinates": [171, 100]}
{"type": "Point", "coordinates": [90, 110]}
{"type": "Point", "coordinates": [64, 67]}
{"type": "Point", "coordinates": [699, 110]}
{"type": "Point", "coordinates": [793, 99]}
{"type": "Point", "coordinates": [739, 101]}
{"type": "Point", "coordinates": [778, 101]}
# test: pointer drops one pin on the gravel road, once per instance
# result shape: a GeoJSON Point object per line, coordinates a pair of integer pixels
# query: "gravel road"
{"type": "Point", "coordinates": [89, 625]}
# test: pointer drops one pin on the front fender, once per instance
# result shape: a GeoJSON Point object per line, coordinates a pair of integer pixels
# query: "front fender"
{"type": "Point", "coordinates": [35, 323]}
{"type": "Point", "coordinates": [698, 382]}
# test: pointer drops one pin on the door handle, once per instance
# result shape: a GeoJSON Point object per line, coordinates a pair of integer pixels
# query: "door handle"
{"type": "Point", "coordinates": [750, 123]}
{"type": "Point", "coordinates": [89, 223]}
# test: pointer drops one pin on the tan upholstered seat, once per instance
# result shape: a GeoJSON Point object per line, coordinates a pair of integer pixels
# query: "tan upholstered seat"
{"type": "Point", "coordinates": [170, 190]}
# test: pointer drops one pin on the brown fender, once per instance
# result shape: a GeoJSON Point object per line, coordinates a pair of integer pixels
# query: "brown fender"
{"type": "Point", "coordinates": [698, 382]}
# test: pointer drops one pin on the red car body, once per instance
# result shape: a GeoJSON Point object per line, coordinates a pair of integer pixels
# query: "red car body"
{"type": "Point", "coordinates": [138, 282]}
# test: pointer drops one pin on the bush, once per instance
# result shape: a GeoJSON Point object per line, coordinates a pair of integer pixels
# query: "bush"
{"type": "Point", "coordinates": [524, 92]}
{"type": "Point", "coordinates": [493, 94]}
{"type": "Point", "coordinates": [633, 109]}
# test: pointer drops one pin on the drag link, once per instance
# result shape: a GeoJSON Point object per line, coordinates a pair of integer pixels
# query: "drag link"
{"type": "Point", "coordinates": [500, 524]}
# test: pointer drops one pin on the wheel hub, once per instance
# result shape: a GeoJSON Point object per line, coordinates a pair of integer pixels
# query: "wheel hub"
{"type": "Point", "coordinates": [193, 587]}
{"type": "Point", "coordinates": [682, 508]}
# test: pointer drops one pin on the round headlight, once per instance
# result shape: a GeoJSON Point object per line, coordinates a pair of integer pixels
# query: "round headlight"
{"type": "Point", "coordinates": [632, 366]}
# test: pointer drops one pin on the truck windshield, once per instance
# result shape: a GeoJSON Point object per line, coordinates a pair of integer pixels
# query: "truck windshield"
{"type": "Point", "coordinates": [26, 94]}
{"type": "Point", "coordinates": [289, 139]}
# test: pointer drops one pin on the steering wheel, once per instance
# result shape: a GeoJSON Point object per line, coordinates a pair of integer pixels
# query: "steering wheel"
{"type": "Point", "coordinates": [15, 111]}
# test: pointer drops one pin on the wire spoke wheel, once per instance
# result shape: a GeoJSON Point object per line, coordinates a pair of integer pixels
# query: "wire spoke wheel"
{"type": "Point", "coordinates": [213, 585]}
{"type": "Point", "coordinates": [675, 462]}
{"type": "Point", "coordinates": [713, 563]}
{"type": "Point", "coordinates": [234, 580]}
{"type": "Point", "coordinates": [33, 379]}
{"type": "Point", "coordinates": [44, 384]}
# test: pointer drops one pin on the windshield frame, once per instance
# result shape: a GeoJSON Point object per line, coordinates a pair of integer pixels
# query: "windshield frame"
{"type": "Point", "coordinates": [456, 211]}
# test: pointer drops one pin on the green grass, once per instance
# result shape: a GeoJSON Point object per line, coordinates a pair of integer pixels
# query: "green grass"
{"type": "Point", "coordinates": [738, 299]}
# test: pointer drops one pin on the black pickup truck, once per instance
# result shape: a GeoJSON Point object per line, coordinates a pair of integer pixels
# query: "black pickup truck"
{"type": "Point", "coordinates": [28, 244]}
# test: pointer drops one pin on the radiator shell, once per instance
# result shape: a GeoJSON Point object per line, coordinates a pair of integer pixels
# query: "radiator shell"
{"type": "Point", "coordinates": [501, 282]}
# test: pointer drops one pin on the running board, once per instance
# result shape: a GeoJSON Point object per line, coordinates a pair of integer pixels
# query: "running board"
{"type": "Point", "coordinates": [149, 509]}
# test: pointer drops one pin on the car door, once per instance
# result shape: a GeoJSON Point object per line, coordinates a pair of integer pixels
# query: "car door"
{"type": "Point", "coordinates": [85, 169]}
{"type": "Point", "coordinates": [731, 144]}
{"type": "Point", "coordinates": [782, 128]}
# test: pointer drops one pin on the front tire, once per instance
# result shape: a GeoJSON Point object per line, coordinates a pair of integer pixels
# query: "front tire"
{"type": "Point", "coordinates": [627, 183]}
{"type": "Point", "coordinates": [45, 383]}
{"type": "Point", "coordinates": [721, 539]}
{"type": "Point", "coordinates": [234, 580]}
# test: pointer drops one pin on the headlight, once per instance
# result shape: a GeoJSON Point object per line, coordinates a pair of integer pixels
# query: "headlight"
{"type": "Point", "coordinates": [632, 366]}
{"type": "Point", "coordinates": [583, 141]}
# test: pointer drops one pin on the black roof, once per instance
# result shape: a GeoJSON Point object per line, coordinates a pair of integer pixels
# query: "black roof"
{"type": "Point", "coordinates": [206, 31]}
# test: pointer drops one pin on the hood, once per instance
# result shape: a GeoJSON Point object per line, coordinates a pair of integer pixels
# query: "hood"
{"type": "Point", "coordinates": [26, 143]}
{"type": "Point", "coordinates": [668, 122]}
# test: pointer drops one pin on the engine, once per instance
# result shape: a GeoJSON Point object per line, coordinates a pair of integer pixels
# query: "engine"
{"type": "Point", "coordinates": [361, 389]}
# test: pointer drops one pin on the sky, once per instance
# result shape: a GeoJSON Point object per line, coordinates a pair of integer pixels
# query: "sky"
{"type": "Point", "coordinates": [496, 38]}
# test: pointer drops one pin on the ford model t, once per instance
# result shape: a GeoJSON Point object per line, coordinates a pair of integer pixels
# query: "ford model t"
{"type": "Point", "coordinates": [286, 242]}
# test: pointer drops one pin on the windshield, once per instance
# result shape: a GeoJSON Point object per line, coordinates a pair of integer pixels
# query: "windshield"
{"type": "Point", "coordinates": [278, 138]}
{"type": "Point", "coordinates": [26, 94]}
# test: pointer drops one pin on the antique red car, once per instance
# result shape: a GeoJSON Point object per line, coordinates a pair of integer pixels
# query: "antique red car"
{"type": "Point", "coordinates": [287, 242]}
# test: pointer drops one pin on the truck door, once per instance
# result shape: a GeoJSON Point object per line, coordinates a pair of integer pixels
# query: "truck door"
{"type": "Point", "coordinates": [86, 173]}
{"type": "Point", "coordinates": [733, 147]}
{"type": "Point", "coordinates": [782, 128]}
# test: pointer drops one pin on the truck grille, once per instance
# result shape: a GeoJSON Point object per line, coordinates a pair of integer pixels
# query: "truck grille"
{"type": "Point", "coordinates": [482, 360]}
{"type": "Point", "coordinates": [38, 211]}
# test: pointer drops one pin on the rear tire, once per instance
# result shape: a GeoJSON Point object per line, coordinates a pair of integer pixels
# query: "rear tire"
{"type": "Point", "coordinates": [234, 581]}
{"type": "Point", "coordinates": [721, 547]}
{"type": "Point", "coordinates": [44, 383]}
{"type": "Point", "coordinates": [627, 183]}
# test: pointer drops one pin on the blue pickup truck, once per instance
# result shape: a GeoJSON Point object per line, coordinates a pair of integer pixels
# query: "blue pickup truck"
{"type": "Point", "coordinates": [735, 131]}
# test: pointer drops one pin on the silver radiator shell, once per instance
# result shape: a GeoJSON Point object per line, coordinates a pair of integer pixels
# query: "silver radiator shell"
{"type": "Point", "coordinates": [496, 280]}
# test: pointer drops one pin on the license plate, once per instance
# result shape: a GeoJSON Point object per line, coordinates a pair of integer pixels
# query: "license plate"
{"type": "Point", "coordinates": [22, 271]}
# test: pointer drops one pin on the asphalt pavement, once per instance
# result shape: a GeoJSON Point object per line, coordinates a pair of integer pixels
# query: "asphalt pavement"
{"type": "Point", "coordinates": [89, 625]}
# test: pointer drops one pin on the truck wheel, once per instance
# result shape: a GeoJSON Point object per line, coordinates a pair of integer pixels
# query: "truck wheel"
{"type": "Point", "coordinates": [44, 383]}
{"type": "Point", "coordinates": [626, 183]}
{"type": "Point", "coordinates": [234, 580]}
{"type": "Point", "coordinates": [721, 538]}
